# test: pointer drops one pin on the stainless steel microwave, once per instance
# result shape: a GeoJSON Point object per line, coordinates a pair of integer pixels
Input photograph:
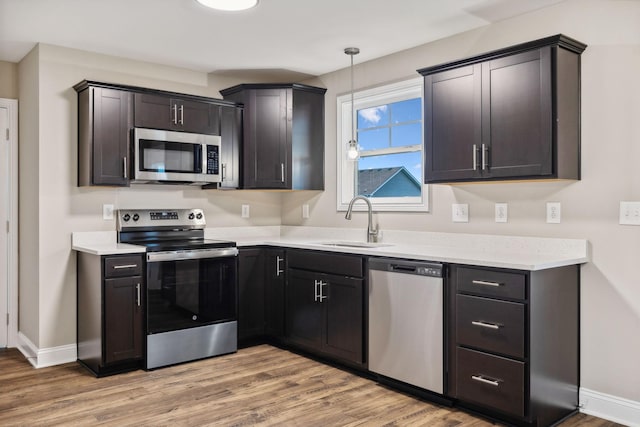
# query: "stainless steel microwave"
{"type": "Point", "coordinates": [165, 156]}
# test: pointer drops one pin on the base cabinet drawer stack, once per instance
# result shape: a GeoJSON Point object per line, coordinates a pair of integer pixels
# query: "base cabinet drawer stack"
{"type": "Point", "coordinates": [110, 312]}
{"type": "Point", "coordinates": [513, 347]}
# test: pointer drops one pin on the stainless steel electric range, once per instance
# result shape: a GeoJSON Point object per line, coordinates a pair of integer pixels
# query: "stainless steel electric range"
{"type": "Point", "coordinates": [191, 285]}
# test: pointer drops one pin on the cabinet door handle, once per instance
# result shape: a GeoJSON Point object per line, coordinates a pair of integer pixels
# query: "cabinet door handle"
{"type": "Point", "coordinates": [182, 114]}
{"type": "Point", "coordinates": [484, 283]}
{"type": "Point", "coordinates": [485, 154]}
{"type": "Point", "coordinates": [485, 324]}
{"type": "Point", "coordinates": [119, 267]}
{"type": "Point", "coordinates": [175, 114]}
{"type": "Point", "coordinates": [322, 295]}
{"type": "Point", "coordinates": [315, 291]}
{"type": "Point", "coordinates": [475, 157]}
{"type": "Point", "coordinates": [124, 167]}
{"type": "Point", "coordinates": [279, 270]}
{"type": "Point", "coordinates": [480, 378]}
{"type": "Point", "coordinates": [138, 294]}
{"type": "Point", "coordinates": [282, 172]}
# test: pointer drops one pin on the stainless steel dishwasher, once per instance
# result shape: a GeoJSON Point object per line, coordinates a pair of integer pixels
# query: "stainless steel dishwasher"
{"type": "Point", "coordinates": [406, 322]}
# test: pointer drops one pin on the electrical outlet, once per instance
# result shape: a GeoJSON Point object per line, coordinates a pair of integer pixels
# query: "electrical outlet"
{"type": "Point", "coordinates": [630, 213]}
{"type": "Point", "coordinates": [246, 213]}
{"type": "Point", "coordinates": [107, 212]}
{"type": "Point", "coordinates": [305, 211]}
{"type": "Point", "coordinates": [502, 212]}
{"type": "Point", "coordinates": [460, 212]}
{"type": "Point", "coordinates": [553, 213]}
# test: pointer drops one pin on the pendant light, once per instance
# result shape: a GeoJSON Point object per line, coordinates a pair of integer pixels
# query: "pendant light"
{"type": "Point", "coordinates": [352, 145]}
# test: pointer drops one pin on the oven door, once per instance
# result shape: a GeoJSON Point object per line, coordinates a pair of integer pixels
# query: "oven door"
{"type": "Point", "coordinates": [182, 157]}
{"type": "Point", "coordinates": [186, 289]}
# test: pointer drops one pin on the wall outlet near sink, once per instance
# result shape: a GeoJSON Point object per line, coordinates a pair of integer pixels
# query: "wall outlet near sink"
{"type": "Point", "coordinates": [553, 213]}
{"type": "Point", "coordinates": [460, 212]}
{"type": "Point", "coordinates": [502, 212]}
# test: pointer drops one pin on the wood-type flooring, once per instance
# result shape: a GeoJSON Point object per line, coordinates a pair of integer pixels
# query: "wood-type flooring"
{"type": "Point", "coordinates": [262, 385]}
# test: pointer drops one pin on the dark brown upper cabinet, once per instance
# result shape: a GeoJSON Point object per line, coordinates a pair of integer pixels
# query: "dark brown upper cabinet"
{"type": "Point", "coordinates": [105, 117]}
{"type": "Point", "coordinates": [283, 135]}
{"type": "Point", "coordinates": [108, 112]}
{"type": "Point", "coordinates": [507, 114]}
{"type": "Point", "coordinates": [156, 111]}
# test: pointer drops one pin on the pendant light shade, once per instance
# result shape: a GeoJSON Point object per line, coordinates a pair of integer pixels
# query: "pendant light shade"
{"type": "Point", "coordinates": [229, 5]}
{"type": "Point", "coordinates": [352, 146]}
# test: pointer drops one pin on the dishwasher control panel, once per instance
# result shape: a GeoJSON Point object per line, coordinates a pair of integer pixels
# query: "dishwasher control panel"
{"type": "Point", "coordinates": [418, 268]}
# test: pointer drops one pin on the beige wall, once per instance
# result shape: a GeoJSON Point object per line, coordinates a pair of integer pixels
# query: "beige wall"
{"type": "Point", "coordinates": [8, 80]}
{"type": "Point", "coordinates": [610, 317]}
{"type": "Point", "coordinates": [51, 206]}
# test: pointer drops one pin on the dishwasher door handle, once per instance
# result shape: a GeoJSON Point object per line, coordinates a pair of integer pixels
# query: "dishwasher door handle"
{"type": "Point", "coordinates": [403, 268]}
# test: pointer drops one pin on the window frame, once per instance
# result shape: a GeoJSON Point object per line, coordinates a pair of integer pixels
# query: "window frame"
{"type": "Point", "coordinates": [347, 170]}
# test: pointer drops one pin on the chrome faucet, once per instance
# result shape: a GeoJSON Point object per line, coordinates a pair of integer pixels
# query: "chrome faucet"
{"type": "Point", "coordinates": [372, 233]}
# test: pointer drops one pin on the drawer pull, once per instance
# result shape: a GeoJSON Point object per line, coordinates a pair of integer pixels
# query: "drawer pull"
{"type": "Point", "coordinates": [484, 283]}
{"type": "Point", "coordinates": [486, 325]}
{"type": "Point", "coordinates": [484, 380]}
{"type": "Point", "coordinates": [119, 267]}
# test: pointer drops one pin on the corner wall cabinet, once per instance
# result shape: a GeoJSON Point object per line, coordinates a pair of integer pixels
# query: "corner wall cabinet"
{"type": "Point", "coordinates": [107, 113]}
{"type": "Point", "coordinates": [110, 319]}
{"type": "Point", "coordinates": [509, 114]}
{"type": "Point", "coordinates": [513, 342]}
{"type": "Point", "coordinates": [324, 308]}
{"type": "Point", "coordinates": [283, 138]}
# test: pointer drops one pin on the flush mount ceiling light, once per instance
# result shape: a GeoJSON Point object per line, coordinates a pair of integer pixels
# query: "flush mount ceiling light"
{"type": "Point", "coordinates": [229, 5]}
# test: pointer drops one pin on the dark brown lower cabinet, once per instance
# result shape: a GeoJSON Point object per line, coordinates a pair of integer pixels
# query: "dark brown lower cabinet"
{"type": "Point", "coordinates": [110, 308]}
{"type": "Point", "coordinates": [324, 311]}
{"type": "Point", "coordinates": [513, 342]}
{"type": "Point", "coordinates": [261, 275]}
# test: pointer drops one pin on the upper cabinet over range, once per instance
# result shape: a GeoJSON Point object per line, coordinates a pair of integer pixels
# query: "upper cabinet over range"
{"type": "Point", "coordinates": [107, 113]}
{"type": "Point", "coordinates": [283, 141]}
{"type": "Point", "coordinates": [508, 114]}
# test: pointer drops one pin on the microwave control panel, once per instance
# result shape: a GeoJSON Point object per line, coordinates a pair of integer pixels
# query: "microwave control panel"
{"type": "Point", "coordinates": [213, 159]}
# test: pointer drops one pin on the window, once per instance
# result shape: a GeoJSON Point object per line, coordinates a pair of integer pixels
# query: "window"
{"type": "Point", "coordinates": [388, 122]}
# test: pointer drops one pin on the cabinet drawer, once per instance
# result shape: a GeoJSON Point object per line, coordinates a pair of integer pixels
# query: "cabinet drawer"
{"type": "Point", "coordinates": [122, 266]}
{"type": "Point", "coordinates": [492, 283]}
{"type": "Point", "coordinates": [341, 265]}
{"type": "Point", "coordinates": [496, 326]}
{"type": "Point", "coordinates": [491, 381]}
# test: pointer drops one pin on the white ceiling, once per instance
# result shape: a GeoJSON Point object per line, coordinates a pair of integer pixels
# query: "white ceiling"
{"type": "Point", "coordinates": [299, 36]}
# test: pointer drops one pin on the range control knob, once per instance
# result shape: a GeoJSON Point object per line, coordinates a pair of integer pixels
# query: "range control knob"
{"type": "Point", "coordinates": [191, 215]}
{"type": "Point", "coordinates": [136, 217]}
{"type": "Point", "coordinates": [126, 217]}
{"type": "Point", "coordinates": [199, 215]}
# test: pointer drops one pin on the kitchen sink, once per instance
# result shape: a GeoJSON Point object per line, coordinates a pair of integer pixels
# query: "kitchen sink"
{"type": "Point", "coordinates": [347, 244]}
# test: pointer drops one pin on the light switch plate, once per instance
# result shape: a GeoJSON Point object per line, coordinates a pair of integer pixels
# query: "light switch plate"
{"type": "Point", "coordinates": [107, 212]}
{"type": "Point", "coordinates": [554, 213]}
{"type": "Point", "coordinates": [246, 212]}
{"type": "Point", "coordinates": [630, 213]}
{"type": "Point", "coordinates": [305, 211]}
{"type": "Point", "coordinates": [502, 212]}
{"type": "Point", "coordinates": [460, 212]}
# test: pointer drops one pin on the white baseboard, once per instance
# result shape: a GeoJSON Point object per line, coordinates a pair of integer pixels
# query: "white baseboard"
{"type": "Point", "coordinates": [612, 408]}
{"type": "Point", "coordinates": [41, 358]}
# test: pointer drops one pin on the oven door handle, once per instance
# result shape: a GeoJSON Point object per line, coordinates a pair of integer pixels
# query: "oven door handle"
{"type": "Point", "coordinates": [192, 254]}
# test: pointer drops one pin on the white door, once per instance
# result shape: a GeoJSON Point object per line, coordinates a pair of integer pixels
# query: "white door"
{"type": "Point", "coordinates": [4, 217]}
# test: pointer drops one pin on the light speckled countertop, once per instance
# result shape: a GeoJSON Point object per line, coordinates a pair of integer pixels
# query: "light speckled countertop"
{"type": "Point", "coordinates": [514, 252]}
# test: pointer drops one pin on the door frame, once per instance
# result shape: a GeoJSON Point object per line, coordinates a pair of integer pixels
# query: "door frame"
{"type": "Point", "coordinates": [12, 216]}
